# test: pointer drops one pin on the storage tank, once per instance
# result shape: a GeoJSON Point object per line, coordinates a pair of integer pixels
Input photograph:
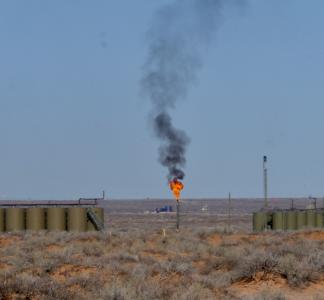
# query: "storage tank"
{"type": "Point", "coordinates": [56, 219]}
{"type": "Point", "coordinates": [77, 219]}
{"type": "Point", "coordinates": [291, 220]}
{"type": "Point", "coordinates": [319, 219]}
{"type": "Point", "coordinates": [2, 219]}
{"type": "Point", "coordinates": [35, 218]}
{"type": "Point", "coordinates": [310, 218]}
{"type": "Point", "coordinates": [278, 221]}
{"type": "Point", "coordinates": [15, 219]}
{"type": "Point", "coordinates": [259, 221]}
{"type": "Point", "coordinates": [301, 219]}
{"type": "Point", "coordinates": [99, 212]}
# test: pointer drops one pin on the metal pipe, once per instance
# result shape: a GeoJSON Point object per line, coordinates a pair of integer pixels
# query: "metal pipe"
{"type": "Point", "coordinates": [265, 181]}
{"type": "Point", "coordinates": [87, 202]}
{"type": "Point", "coordinates": [178, 214]}
{"type": "Point", "coordinates": [229, 210]}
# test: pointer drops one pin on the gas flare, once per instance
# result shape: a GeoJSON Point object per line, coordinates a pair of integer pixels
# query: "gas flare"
{"type": "Point", "coordinates": [176, 187]}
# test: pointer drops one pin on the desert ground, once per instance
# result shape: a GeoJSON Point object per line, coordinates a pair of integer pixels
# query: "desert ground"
{"type": "Point", "coordinates": [140, 255]}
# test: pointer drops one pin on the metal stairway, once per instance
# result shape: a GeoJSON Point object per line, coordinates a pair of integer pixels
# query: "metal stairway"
{"type": "Point", "coordinates": [94, 220]}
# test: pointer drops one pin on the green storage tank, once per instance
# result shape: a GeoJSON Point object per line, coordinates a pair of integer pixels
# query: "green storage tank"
{"type": "Point", "coordinates": [77, 219]}
{"type": "Point", "coordinates": [259, 221]}
{"type": "Point", "coordinates": [291, 220]}
{"type": "Point", "coordinates": [278, 221]}
{"type": "Point", "coordinates": [319, 219]}
{"type": "Point", "coordinates": [99, 212]}
{"type": "Point", "coordinates": [15, 219]}
{"type": "Point", "coordinates": [301, 219]}
{"type": "Point", "coordinates": [56, 219]}
{"type": "Point", "coordinates": [35, 218]}
{"type": "Point", "coordinates": [310, 218]}
{"type": "Point", "coordinates": [2, 219]}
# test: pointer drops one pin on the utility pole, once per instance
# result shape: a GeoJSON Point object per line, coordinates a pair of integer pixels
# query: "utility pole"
{"type": "Point", "coordinates": [265, 182]}
{"type": "Point", "coordinates": [229, 210]}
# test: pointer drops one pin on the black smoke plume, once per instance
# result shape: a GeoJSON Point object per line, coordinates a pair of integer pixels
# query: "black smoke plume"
{"type": "Point", "coordinates": [178, 34]}
{"type": "Point", "coordinates": [172, 153]}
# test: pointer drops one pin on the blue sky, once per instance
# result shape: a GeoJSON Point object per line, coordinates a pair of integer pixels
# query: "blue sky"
{"type": "Point", "coordinates": [74, 122]}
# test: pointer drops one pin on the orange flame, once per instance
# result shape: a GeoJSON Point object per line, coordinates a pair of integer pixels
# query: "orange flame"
{"type": "Point", "coordinates": [176, 187]}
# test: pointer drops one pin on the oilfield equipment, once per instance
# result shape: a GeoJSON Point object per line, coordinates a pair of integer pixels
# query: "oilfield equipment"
{"type": "Point", "coordinates": [265, 181]}
{"type": "Point", "coordinates": [286, 219]}
{"type": "Point", "coordinates": [78, 216]}
{"type": "Point", "coordinates": [290, 219]}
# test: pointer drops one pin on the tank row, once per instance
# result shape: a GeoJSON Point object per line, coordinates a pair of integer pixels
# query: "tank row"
{"type": "Point", "coordinates": [288, 220]}
{"type": "Point", "coordinates": [51, 218]}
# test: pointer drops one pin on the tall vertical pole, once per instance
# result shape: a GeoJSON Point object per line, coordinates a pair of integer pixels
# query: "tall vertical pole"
{"type": "Point", "coordinates": [265, 182]}
{"type": "Point", "coordinates": [178, 214]}
{"type": "Point", "coordinates": [229, 210]}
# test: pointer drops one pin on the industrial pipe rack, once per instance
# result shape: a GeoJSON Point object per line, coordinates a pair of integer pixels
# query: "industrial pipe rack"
{"type": "Point", "coordinates": [23, 203]}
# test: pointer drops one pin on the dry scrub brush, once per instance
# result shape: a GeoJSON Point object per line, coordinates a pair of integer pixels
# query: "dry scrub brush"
{"type": "Point", "coordinates": [138, 264]}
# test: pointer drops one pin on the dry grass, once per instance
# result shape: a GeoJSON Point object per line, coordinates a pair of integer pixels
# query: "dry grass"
{"type": "Point", "coordinates": [143, 264]}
